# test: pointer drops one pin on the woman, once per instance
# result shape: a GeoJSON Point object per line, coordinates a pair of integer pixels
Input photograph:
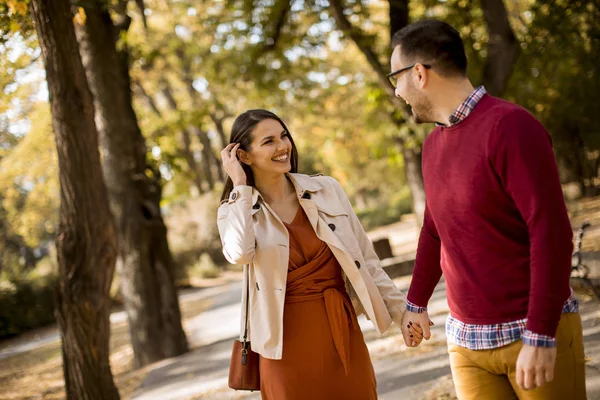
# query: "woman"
{"type": "Point", "coordinates": [312, 268]}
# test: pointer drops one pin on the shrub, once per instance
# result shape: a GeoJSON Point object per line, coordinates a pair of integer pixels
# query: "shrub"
{"type": "Point", "coordinates": [193, 232]}
{"type": "Point", "coordinates": [385, 214]}
{"type": "Point", "coordinates": [26, 303]}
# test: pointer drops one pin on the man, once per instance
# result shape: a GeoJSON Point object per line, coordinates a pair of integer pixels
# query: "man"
{"type": "Point", "coordinates": [495, 224]}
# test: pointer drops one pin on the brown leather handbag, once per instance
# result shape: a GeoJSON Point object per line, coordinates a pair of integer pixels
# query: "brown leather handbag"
{"type": "Point", "coordinates": [243, 367]}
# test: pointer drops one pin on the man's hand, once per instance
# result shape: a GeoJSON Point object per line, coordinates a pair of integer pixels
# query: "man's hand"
{"type": "Point", "coordinates": [409, 320]}
{"type": "Point", "coordinates": [535, 366]}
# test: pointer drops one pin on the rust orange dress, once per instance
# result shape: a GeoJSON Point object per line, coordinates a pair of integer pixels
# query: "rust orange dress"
{"type": "Point", "coordinates": [324, 352]}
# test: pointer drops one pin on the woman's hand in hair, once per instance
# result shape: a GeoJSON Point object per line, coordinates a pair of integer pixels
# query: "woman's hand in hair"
{"type": "Point", "coordinates": [233, 166]}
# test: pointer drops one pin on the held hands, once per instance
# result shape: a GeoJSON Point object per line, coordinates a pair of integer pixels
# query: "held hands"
{"type": "Point", "coordinates": [535, 366]}
{"type": "Point", "coordinates": [415, 328]}
{"type": "Point", "coordinates": [233, 166]}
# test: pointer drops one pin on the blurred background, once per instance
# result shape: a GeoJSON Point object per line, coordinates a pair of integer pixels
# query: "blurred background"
{"type": "Point", "coordinates": [168, 79]}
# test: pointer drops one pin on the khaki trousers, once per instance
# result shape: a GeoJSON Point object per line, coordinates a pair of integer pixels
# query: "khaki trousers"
{"type": "Point", "coordinates": [491, 374]}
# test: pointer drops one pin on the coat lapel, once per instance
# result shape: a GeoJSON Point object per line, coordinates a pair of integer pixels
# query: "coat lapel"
{"type": "Point", "coordinates": [306, 185]}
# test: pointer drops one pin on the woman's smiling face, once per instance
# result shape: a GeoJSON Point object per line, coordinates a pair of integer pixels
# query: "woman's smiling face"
{"type": "Point", "coordinates": [270, 149]}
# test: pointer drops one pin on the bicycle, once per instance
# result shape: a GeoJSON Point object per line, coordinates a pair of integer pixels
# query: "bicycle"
{"type": "Point", "coordinates": [578, 269]}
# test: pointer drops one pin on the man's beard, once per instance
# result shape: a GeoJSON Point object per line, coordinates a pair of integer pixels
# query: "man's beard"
{"type": "Point", "coordinates": [423, 112]}
{"type": "Point", "coordinates": [422, 109]}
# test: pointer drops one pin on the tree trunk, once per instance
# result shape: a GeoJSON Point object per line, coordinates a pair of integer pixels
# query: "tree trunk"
{"type": "Point", "coordinates": [186, 140]}
{"type": "Point", "coordinates": [364, 45]}
{"type": "Point", "coordinates": [414, 176]}
{"type": "Point", "coordinates": [224, 142]}
{"type": "Point", "coordinates": [503, 48]}
{"type": "Point", "coordinates": [186, 143]}
{"type": "Point", "coordinates": [86, 241]}
{"type": "Point", "coordinates": [207, 154]}
{"type": "Point", "coordinates": [399, 17]}
{"type": "Point", "coordinates": [145, 264]}
{"type": "Point", "coordinates": [220, 130]}
{"type": "Point", "coordinates": [146, 97]}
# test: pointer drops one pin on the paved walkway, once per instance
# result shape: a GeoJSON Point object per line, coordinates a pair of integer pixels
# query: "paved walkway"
{"type": "Point", "coordinates": [402, 373]}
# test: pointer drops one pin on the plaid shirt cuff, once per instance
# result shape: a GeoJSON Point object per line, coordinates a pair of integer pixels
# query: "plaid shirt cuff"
{"type": "Point", "coordinates": [533, 339]}
{"type": "Point", "coordinates": [415, 308]}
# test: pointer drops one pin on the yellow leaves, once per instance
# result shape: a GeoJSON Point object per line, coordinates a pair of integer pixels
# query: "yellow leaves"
{"type": "Point", "coordinates": [29, 180]}
{"type": "Point", "coordinates": [17, 7]}
{"type": "Point", "coordinates": [79, 18]}
{"type": "Point", "coordinates": [14, 26]}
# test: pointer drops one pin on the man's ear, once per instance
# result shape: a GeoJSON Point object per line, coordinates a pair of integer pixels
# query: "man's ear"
{"type": "Point", "coordinates": [421, 76]}
{"type": "Point", "coordinates": [243, 157]}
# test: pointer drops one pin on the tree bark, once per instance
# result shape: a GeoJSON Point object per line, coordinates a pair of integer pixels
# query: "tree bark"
{"type": "Point", "coordinates": [503, 48]}
{"type": "Point", "coordinates": [86, 241]}
{"type": "Point", "coordinates": [145, 264]}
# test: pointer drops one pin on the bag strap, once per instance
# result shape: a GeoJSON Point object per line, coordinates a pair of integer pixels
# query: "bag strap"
{"type": "Point", "coordinates": [246, 301]}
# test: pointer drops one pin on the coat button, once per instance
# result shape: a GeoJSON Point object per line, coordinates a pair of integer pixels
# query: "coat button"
{"type": "Point", "coordinates": [306, 195]}
{"type": "Point", "coordinates": [233, 196]}
{"type": "Point", "coordinates": [357, 264]}
{"type": "Point", "coordinates": [256, 206]}
{"type": "Point", "coordinates": [332, 227]}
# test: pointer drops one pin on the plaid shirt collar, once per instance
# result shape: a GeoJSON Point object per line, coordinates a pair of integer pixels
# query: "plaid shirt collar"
{"type": "Point", "coordinates": [463, 111]}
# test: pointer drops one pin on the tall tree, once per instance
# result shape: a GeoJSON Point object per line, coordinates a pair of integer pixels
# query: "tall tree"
{"type": "Point", "coordinates": [86, 242]}
{"type": "Point", "coordinates": [145, 264]}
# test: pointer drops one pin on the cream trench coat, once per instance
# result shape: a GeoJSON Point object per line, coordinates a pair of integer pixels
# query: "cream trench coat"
{"type": "Point", "coordinates": [252, 234]}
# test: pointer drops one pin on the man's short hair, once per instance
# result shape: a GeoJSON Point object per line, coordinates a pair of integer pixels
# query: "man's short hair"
{"type": "Point", "coordinates": [433, 42]}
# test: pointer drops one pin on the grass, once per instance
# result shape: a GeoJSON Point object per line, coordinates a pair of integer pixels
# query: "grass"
{"type": "Point", "coordinates": [38, 374]}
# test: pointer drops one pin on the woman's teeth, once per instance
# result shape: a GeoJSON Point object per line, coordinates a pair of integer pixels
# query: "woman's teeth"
{"type": "Point", "coordinates": [281, 158]}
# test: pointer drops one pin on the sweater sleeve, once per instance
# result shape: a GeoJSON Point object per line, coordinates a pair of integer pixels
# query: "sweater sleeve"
{"type": "Point", "coordinates": [522, 156]}
{"type": "Point", "coordinates": [427, 272]}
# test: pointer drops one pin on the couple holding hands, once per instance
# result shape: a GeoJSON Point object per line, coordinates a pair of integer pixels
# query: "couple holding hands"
{"type": "Point", "coordinates": [495, 225]}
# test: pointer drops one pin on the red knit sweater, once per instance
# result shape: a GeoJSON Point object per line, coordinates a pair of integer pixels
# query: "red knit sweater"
{"type": "Point", "coordinates": [496, 223]}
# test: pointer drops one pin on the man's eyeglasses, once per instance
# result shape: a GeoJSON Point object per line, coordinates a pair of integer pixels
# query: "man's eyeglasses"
{"type": "Point", "coordinates": [393, 76]}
